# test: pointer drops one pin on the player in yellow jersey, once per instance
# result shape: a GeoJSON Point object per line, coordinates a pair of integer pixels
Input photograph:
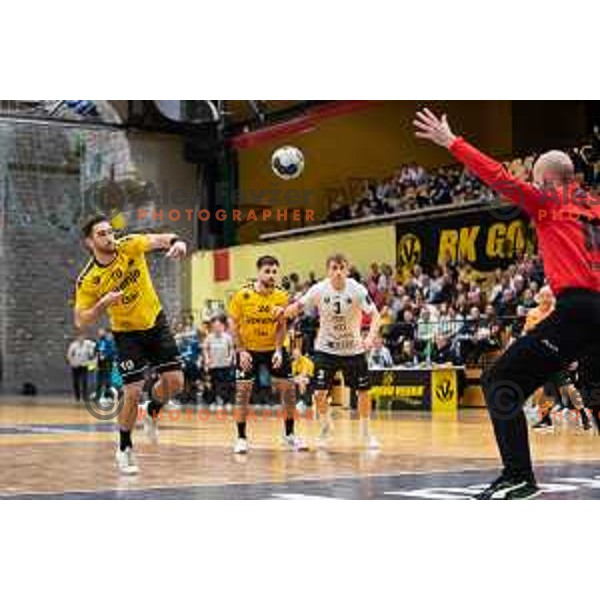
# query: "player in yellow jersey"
{"type": "Point", "coordinates": [256, 315]}
{"type": "Point", "coordinates": [117, 281]}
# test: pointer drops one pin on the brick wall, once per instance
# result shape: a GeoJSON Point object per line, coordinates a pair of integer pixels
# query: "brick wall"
{"type": "Point", "coordinates": [41, 207]}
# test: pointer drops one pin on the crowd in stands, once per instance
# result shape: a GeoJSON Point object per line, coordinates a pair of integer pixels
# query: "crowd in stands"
{"type": "Point", "coordinates": [452, 314]}
{"type": "Point", "coordinates": [413, 187]}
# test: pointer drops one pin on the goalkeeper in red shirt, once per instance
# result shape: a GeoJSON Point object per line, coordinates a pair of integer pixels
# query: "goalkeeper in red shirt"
{"type": "Point", "coordinates": [567, 222]}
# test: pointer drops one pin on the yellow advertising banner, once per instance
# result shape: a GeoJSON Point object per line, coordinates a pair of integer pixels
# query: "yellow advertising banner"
{"type": "Point", "coordinates": [444, 390]}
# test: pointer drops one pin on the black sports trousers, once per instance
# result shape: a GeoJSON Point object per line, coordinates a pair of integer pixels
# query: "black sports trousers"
{"type": "Point", "coordinates": [570, 332]}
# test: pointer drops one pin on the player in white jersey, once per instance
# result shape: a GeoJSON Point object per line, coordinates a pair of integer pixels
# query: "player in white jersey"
{"type": "Point", "coordinates": [341, 302]}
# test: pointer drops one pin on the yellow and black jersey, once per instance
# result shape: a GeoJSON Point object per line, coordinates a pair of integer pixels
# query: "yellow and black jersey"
{"type": "Point", "coordinates": [253, 313]}
{"type": "Point", "coordinates": [128, 272]}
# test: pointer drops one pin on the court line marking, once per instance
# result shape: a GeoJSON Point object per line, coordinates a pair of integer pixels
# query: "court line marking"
{"type": "Point", "coordinates": [246, 484]}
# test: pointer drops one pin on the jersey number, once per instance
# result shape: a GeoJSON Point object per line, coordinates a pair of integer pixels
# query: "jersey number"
{"type": "Point", "coordinates": [338, 307]}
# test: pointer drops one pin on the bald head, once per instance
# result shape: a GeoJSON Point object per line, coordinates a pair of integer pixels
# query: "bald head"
{"type": "Point", "coordinates": [553, 167]}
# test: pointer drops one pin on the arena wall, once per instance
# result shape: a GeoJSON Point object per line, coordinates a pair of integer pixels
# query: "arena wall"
{"type": "Point", "coordinates": [363, 246]}
{"type": "Point", "coordinates": [369, 143]}
{"type": "Point", "coordinates": [42, 179]}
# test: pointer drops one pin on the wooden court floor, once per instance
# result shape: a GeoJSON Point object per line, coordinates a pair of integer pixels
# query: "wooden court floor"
{"type": "Point", "coordinates": [53, 448]}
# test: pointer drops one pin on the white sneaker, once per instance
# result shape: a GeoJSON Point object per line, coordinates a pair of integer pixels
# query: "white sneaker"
{"type": "Point", "coordinates": [372, 443]}
{"type": "Point", "coordinates": [324, 434]}
{"type": "Point", "coordinates": [322, 441]}
{"type": "Point", "coordinates": [293, 442]}
{"type": "Point", "coordinates": [228, 408]}
{"type": "Point", "coordinates": [241, 446]}
{"type": "Point", "coordinates": [126, 462]}
{"type": "Point", "coordinates": [151, 429]}
{"type": "Point", "coordinates": [301, 407]}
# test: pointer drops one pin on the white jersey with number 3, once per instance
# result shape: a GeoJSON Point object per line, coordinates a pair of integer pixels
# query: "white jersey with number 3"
{"type": "Point", "coordinates": [340, 316]}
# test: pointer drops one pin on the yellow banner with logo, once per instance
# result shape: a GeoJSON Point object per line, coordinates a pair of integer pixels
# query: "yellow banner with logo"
{"type": "Point", "coordinates": [444, 390]}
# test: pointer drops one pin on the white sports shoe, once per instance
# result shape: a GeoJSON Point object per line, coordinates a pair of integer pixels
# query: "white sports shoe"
{"type": "Point", "coordinates": [324, 434]}
{"type": "Point", "coordinates": [293, 442]}
{"type": "Point", "coordinates": [126, 462]}
{"type": "Point", "coordinates": [372, 443]}
{"type": "Point", "coordinates": [241, 446]}
{"type": "Point", "coordinates": [151, 429]}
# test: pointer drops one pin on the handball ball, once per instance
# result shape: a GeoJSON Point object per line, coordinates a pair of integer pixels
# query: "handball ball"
{"type": "Point", "coordinates": [287, 162]}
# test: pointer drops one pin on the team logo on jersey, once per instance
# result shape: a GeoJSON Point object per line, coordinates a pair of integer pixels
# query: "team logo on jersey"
{"type": "Point", "coordinates": [327, 299]}
{"type": "Point", "coordinates": [95, 280]}
{"type": "Point", "coordinates": [246, 296]}
{"type": "Point", "coordinates": [409, 250]}
{"type": "Point", "coordinates": [131, 262]}
{"type": "Point", "coordinates": [348, 300]}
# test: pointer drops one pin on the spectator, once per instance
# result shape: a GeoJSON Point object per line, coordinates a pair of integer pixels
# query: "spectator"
{"type": "Point", "coordinates": [408, 356]}
{"type": "Point", "coordinates": [426, 331]}
{"type": "Point", "coordinates": [219, 362]}
{"type": "Point", "coordinates": [379, 357]}
{"type": "Point", "coordinates": [80, 355]}
{"type": "Point", "coordinates": [188, 342]}
{"type": "Point", "coordinates": [443, 351]}
{"type": "Point", "coordinates": [506, 307]}
{"type": "Point", "coordinates": [106, 355]}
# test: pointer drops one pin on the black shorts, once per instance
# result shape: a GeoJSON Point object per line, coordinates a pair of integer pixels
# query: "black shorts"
{"type": "Point", "coordinates": [155, 347]}
{"type": "Point", "coordinates": [354, 369]}
{"type": "Point", "coordinates": [262, 371]}
{"type": "Point", "coordinates": [222, 375]}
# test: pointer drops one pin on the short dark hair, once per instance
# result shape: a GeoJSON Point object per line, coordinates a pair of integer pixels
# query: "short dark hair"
{"type": "Point", "coordinates": [220, 318]}
{"type": "Point", "coordinates": [91, 222]}
{"type": "Point", "coordinates": [266, 261]}
{"type": "Point", "coordinates": [338, 258]}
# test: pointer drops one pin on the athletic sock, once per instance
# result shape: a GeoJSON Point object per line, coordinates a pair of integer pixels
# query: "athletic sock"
{"type": "Point", "coordinates": [241, 429]}
{"type": "Point", "coordinates": [124, 440]}
{"type": "Point", "coordinates": [154, 408]}
{"type": "Point", "coordinates": [289, 427]}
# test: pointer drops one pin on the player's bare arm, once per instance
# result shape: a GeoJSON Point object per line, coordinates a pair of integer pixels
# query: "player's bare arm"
{"type": "Point", "coordinates": [295, 308]}
{"type": "Point", "coordinates": [373, 330]}
{"type": "Point", "coordinates": [245, 356]}
{"type": "Point", "coordinates": [292, 310]}
{"type": "Point", "coordinates": [85, 317]}
{"type": "Point", "coordinates": [176, 248]}
{"type": "Point", "coordinates": [279, 340]}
